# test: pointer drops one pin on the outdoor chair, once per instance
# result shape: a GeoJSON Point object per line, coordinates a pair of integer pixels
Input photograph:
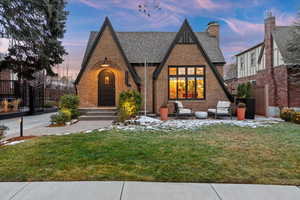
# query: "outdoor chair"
{"type": "Point", "coordinates": [180, 111]}
{"type": "Point", "coordinates": [223, 109]}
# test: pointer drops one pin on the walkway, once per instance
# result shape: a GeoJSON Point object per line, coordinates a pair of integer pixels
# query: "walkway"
{"type": "Point", "coordinates": [37, 125]}
{"type": "Point", "coordinates": [143, 191]}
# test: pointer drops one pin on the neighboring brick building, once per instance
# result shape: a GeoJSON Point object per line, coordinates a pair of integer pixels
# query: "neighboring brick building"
{"type": "Point", "coordinates": [185, 66]}
{"type": "Point", "coordinates": [265, 66]}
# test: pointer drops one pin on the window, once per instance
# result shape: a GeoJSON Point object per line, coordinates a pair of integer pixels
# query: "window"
{"type": "Point", "coordinates": [242, 63]}
{"type": "Point", "coordinates": [253, 59]}
{"type": "Point", "coordinates": [186, 82]}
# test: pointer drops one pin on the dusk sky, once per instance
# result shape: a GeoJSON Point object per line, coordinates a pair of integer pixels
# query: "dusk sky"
{"type": "Point", "coordinates": [241, 20]}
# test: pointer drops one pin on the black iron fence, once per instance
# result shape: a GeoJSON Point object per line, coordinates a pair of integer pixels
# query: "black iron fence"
{"type": "Point", "coordinates": [16, 96]}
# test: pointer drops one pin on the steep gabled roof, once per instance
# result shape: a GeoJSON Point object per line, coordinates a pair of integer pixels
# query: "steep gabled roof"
{"type": "Point", "coordinates": [90, 49]}
{"type": "Point", "coordinates": [261, 53]}
{"type": "Point", "coordinates": [283, 35]}
{"type": "Point", "coordinates": [186, 28]}
{"type": "Point", "coordinates": [154, 45]}
{"type": "Point", "coordinates": [251, 48]}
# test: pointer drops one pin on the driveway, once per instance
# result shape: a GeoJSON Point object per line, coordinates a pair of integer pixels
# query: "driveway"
{"type": "Point", "coordinates": [37, 125]}
{"type": "Point", "coordinates": [143, 191]}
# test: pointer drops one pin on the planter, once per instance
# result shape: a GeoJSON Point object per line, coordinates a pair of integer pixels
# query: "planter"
{"type": "Point", "coordinates": [241, 113]}
{"type": "Point", "coordinates": [250, 106]}
{"type": "Point", "coordinates": [164, 112]}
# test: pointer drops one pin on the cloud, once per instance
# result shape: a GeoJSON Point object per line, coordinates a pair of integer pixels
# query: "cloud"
{"type": "Point", "coordinates": [244, 27]}
{"type": "Point", "coordinates": [209, 4]}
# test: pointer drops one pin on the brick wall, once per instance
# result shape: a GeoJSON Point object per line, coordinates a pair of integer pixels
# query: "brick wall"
{"type": "Point", "coordinates": [150, 70]}
{"type": "Point", "coordinates": [188, 55]}
{"type": "Point", "coordinates": [88, 86]}
{"type": "Point", "coordinates": [5, 75]}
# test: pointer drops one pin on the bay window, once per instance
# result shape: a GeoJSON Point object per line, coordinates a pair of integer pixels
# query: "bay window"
{"type": "Point", "coordinates": [186, 82]}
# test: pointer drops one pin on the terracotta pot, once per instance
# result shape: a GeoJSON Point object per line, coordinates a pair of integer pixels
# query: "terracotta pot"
{"type": "Point", "coordinates": [241, 112]}
{"type": "Point", "coordinates": [164, 113]}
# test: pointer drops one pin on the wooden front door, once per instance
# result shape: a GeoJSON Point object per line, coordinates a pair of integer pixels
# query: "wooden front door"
{"type": "Point", "coordinates": [106, 85]}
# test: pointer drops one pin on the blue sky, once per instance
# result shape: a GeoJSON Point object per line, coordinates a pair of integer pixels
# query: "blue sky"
{"type": "Point", "coordinates": [241, 20]}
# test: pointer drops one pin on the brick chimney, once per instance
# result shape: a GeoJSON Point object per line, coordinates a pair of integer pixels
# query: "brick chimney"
{"type": "Point", "coordinates": [213, 29]}
{"type": "Point", "coordinates": [270, 24]}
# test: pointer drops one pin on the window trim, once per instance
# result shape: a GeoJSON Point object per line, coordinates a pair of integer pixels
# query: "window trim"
{"type": "Point", "coordinates": [186, 76]}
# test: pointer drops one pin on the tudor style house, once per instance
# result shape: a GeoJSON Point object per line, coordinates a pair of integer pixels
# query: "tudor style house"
{"type": "Point", "coordinates": [266, 66]}
{"type": "Point", "coordinates": [183, 65]}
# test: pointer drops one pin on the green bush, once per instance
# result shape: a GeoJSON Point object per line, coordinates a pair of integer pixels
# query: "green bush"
{"type": "Point", "coordinates": [130, 103]}
{"type": "Point", "coordinates": [62, 117]}
{"type": "Point", "coordinates": [296, 117]}
{"type": "Point", "coordinates": [244, 90]}
{"type": "Point", "coordinates": [287, 114]}
{"type": "Point", "coordinates": [50, 104]}
{"type": "Point", "coordinates": [70, 102]}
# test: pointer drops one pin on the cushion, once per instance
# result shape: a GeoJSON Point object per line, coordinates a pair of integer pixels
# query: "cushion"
{"type": "Point", "coordinates": [212, 110]}
{"type": "Point", "coordinates": [179, 104]}
{"type": "Point", "coordinates": [185, 111]}
{"type": "Point", "coordinates": [223, 104]}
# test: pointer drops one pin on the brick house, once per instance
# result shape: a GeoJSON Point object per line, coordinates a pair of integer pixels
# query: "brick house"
{"type": "Point", "coordinates": [183, 65]}
{"type": "Point", "coordinates": [266, 67]}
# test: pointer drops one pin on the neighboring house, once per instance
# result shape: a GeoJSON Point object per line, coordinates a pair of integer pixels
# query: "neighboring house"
{"type": "Point", "coordinates": [185, 66]}
{"type": "Point", "coordinates": [264, 65]}
{"type": "Point", "coordinates": [5, 74]}
{"type": "Point", "coordinates": [230, 77]}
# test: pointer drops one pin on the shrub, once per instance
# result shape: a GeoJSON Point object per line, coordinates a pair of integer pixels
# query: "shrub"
{"type": "Point", "coordinates": [244, 90]}
{"type": "Point", "coordinates": [62, 117]}
{"type": "Point", "coordinates": [2, 130]}
{"type": "Point", "coordinates": [50, 104]}
{"type": "Point", "coordinates": [296, 117]}
{"type": "Point", "coordinates": [70, 102]}
{"type": "Point", "coordinates": [287, 114]}
{"type": "Point", "coordinates": [130, 103]}
{"type": "Point", "coordinates": [241, 105]}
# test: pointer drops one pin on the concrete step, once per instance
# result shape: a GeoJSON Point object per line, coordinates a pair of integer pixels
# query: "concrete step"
{"type": "Point", "coordinates": [101, 113]}
{"type": "Point", "coordinates": [97, 118]}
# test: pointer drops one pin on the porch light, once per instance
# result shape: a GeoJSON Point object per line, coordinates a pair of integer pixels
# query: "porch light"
{"type": "Point", "coordinates": [105, 62]}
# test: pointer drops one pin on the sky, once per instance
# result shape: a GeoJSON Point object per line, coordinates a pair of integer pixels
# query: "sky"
{"type": "Point", "coordinates": [242, 21]}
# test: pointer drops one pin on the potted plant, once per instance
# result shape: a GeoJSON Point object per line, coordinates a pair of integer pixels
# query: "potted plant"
{"type": "Point", "coordinates": [164, 111]}
{"type": "Point", "coordinates": [2, 130]}
{"type": "Point", "coordinates": [241, 111]}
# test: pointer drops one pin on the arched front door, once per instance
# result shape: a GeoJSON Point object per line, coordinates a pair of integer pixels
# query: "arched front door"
{"type": "Point", "coordinates": [106, 85]}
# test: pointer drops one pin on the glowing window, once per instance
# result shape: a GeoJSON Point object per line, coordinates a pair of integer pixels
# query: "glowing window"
{"type": "Point", "coordinates": [186, 82]}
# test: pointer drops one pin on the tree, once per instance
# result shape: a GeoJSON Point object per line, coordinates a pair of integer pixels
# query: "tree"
{"type": "Point", "coordinates": [293, 54]}
{"type": "Point", "coordinates": [35, 29]}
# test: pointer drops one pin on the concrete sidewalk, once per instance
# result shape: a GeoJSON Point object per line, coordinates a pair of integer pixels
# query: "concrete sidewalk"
{"type": "Point", "coordinates": [143, 191]}
{"type": "Point", "coordinates": [37, 125]}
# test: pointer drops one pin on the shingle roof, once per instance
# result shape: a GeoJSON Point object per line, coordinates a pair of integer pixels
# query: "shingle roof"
{"type": "Point", "coordinates": [154, 45]}
{"type": "Point", "coordinates": [283, 35]}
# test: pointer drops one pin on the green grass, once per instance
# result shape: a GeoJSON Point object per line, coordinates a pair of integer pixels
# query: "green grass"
{"type": "Point", "coordinates": [269, 155]}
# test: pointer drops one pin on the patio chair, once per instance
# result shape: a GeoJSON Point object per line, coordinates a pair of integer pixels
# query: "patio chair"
{"type": "Point", "coordinates": [180, 111]}
{"type": "Point", "coordinates": [223, 109]}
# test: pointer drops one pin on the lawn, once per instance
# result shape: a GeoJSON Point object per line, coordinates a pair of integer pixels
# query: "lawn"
{"type": "Point", "coordinates": [222, 153]}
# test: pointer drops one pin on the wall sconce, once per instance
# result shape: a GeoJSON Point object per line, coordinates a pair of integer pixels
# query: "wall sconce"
{"type": "Point", "coordinates": [105, 62]}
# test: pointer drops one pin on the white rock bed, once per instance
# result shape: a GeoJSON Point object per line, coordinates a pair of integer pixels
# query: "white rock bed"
{"type": "Point", "coordinates": [148, 123]}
